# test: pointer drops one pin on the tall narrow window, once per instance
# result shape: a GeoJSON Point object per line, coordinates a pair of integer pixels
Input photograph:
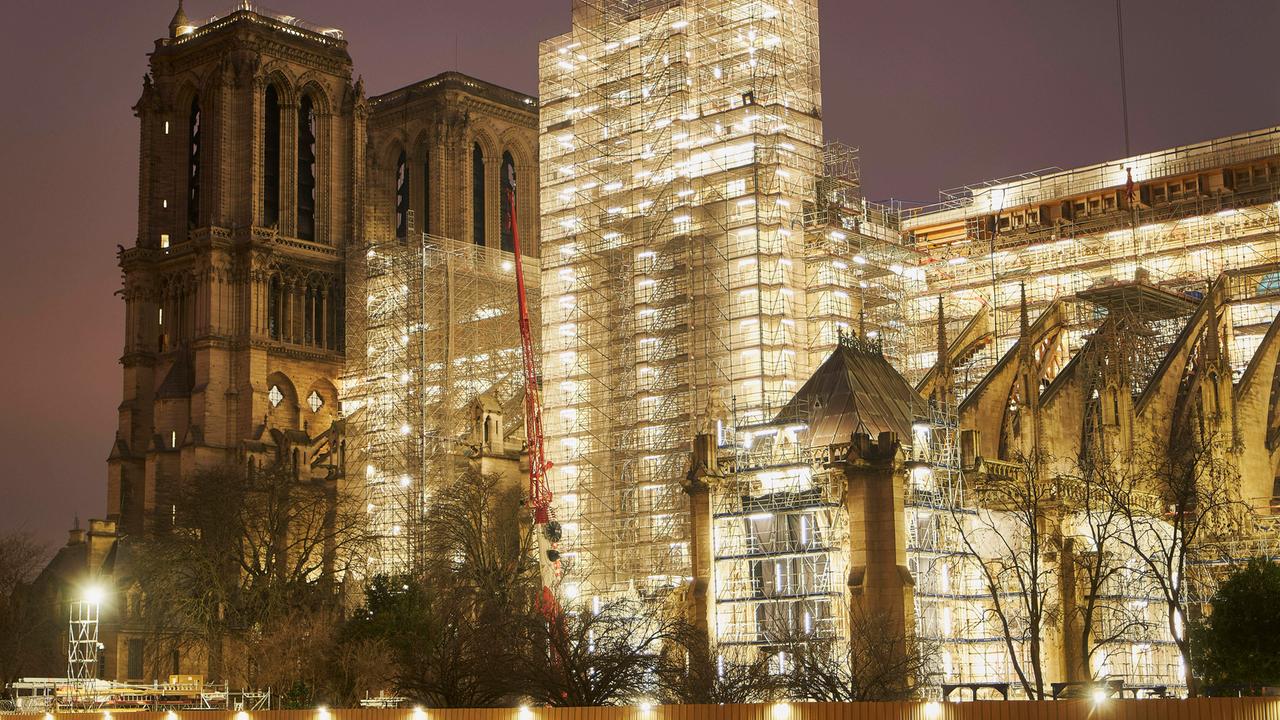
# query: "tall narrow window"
{"type": "Point", "coordinates": [507, 199]}
{"type": "Point", "coordinates": [424, 217]}
{"type": "Point", "coordinates": [273, 308]}
{"type": "Point", "coordinates": [271, 158]}
{"type": "Point", "coordinates": [193, 165]}
{"type": "Point", "coordinates": [306, 169]}
{"type": "Point", "coordinates": [477, 195]}
{"type": "Point", "coordinates": [402, 197]}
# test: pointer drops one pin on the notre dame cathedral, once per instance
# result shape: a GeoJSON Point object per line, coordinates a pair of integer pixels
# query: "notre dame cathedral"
{"type": "Point", "coordinates": [263, 167]}
{"type": "Point", "coordinates": [261, 164]}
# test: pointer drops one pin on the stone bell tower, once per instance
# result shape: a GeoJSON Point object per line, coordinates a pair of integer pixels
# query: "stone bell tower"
{"type": "Point", "coordinates": [251, 147]}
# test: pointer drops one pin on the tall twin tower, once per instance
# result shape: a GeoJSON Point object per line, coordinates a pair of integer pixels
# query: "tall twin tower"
{"type": "Point", "coordinates": [250, 154]}
{"type": "Point", "coordinates": [263, 173]}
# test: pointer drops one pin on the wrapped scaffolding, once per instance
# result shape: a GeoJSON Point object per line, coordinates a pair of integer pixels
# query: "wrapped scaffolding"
{"type": "Point", "coordinates": [432, 328]}
{"type": "Point", "coordinates": [984, 244]}
{"type": "Point", "coordinates": [781, 537]}
{"type": "Point", "coordinates": [679, 143]}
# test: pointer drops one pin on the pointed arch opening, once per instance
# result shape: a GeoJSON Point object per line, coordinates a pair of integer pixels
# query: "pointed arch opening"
{"type": "Point", "coordinates": [306, 229]}
{"type": "Point", "coordinates": [271, 157]}
{"type": "Point", "coordinates": [402, 196]}
{"type": "Point", "coordinates": [477, 195]}
{"type": "Point", "coordinates": [508, 198]}
{"type": "Point", "coordinates": [193, 164]}
{"type": "Point", "coordinates": [424, 214]}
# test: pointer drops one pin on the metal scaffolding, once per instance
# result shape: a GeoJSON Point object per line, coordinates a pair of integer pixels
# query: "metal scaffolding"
{"type": "Point", "coordinates": [1060, 234]}
{"type": "Point", "coordinates": [679, 145]}
{"type": "Point", "coordinates": [432, 328]}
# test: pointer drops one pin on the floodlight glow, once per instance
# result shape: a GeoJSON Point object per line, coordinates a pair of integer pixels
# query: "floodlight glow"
{"type": "Point", "coordinates": [932, 710]}
{"type": "Point", "coordinates": [525, 713]}
{"type": "Point", "coordinates": [419, 713]}
{"type": "Point", "coordinates": [781, 711]}
{"type": "Point", "coordinates": [322, 713]}
{"type": "Point", "coordinates": [646, 707]}
{"type": "Point", "coordinates": [94, 594]}
{"type": "Point", "coordinates": [1099, 696]}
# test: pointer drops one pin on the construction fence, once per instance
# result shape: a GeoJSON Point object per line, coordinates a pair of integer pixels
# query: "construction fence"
{"type": "Point", "coordinates": [1111, 709]}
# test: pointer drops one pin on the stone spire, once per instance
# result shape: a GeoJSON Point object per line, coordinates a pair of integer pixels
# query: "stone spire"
{"type": "Point", "coordinates": [179, 25]}
{"type": "Point", "coordinates": [942, 366]}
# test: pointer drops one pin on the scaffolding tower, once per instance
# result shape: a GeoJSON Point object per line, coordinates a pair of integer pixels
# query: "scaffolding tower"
{"type": "Point", "coordinates": [432, 326]}
{"type": "Point", "coordinates": [679, 144]}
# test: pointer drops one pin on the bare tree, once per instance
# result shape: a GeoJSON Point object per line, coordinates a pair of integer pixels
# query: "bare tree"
{"type": "Point", "coordinates": [877, 662]}
{"type": "Point", "coordinates": [604, 655]}
{"type": "Point", "coordinates": [1009, 537]}
{"type": "Point", "coordinates": [694, 670]}
{"type": "Point", "coordinates": [1103, 615]}
{"type": "Point", "coordinates": [1179, 508]}
{"type": "Point", "coordinates": [449, 629]}
{"type": "Point", "coordinates": [25, 622]}
{"type": "Point", "coordinates": [243, 551]}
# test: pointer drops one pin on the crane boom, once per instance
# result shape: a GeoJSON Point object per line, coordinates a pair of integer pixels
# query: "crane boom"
{"type": "Point", "coordinates": [546, 529]}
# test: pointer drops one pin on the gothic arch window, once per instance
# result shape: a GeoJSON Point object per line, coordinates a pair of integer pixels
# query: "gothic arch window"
{"type": "Point", "coordinates": [477, 195]}
{"type": "Point", "coordinates": [275, 298]}
{"type": "Point", "coordinates": [402, 196]}
{"type": "Point", "coordinates": [424, 216]}
{"type": "Point", "coordinates": [193, 164]}
{"type": "Point", "coordinates": [507, 197]}
{"type": "Point", "coordinates": [333, 333]}
{"type": "Point", "coordinates": [306, 169]}
{"type": "Point", "coordinates": [271, 157]}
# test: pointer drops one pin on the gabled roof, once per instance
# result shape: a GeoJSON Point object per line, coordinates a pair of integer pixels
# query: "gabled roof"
{"type": "Point", "coordinates": [855, 389]}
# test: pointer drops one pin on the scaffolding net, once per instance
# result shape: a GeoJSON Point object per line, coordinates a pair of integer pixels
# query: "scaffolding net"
{"type": "Point", "coordinates": [433, 330]}
{"type": "Point", "coordinates": [679, 143]}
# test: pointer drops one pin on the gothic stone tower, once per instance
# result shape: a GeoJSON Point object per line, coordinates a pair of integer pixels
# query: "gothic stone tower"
{"type": "Point", "coordinates": [251, 149]}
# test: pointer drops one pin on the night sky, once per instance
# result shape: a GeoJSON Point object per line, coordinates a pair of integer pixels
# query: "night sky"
{"type": "Point", "coordinates": [937, 94]}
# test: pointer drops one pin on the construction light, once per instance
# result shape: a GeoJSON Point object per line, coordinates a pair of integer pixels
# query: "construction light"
{"type": "Point", "coordinates": [646, 707]}
{"type": "Point", "coordinates": [1099, 696]}
{"type": "Point", "coordinates": [242, 715]}
{"type": "Point", "coordinates": [322, 713]}
{"type": "Point", "coordinates": [524, 713]}
{"type": "Point", "coordinates": [781, 711]}
{"type": "Point", "coordinates": [94, 594]}
{"type": "Point", "coordinates": [48, 716]}
{"type": "Point", "coordinates": [419, 713]}
{"type": "Point", "coordinates": [171, 715]}
{"type": "Point", "coordinates": [932, 710]}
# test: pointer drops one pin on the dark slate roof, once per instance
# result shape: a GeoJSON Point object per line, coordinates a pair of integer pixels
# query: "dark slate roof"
{"type": "Point", "coordinates": [180, 379]}
{"type": "Point", "coordinates": [855, 389]}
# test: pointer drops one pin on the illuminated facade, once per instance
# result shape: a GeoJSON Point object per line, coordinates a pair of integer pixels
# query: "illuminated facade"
{"type": "Point", "coordinates": [679, 142]}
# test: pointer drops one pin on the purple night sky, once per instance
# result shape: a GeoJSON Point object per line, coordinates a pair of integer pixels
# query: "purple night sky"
{"type": "Point", "coordinates": [936, 93]}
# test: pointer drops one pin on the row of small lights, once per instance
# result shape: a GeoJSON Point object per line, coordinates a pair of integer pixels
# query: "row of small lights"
{"type": "Point", "coordinates": [781, 711]}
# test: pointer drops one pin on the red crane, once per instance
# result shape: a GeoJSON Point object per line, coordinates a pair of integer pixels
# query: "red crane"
{"type": "Point", "coordinates": [546, 529]}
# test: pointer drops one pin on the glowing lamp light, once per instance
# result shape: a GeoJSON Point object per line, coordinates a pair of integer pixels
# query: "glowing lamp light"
{"type": "Point", "coordinates": [524, 713]}
{"type": "Point", "coordinates": [322, 713]}
{"type": "Point", "coordinates": [419, 713]}
{"type": "Point", "coordinates": [94, 594]}
{"type": "Point", "coordinates": [1099, 696]}
{"type": "Point", "coordinates": [171, 715]}
{"type": "Point", "coordinates": [242, 715]}
{"type": "Point", "coordinates": [932, 710]}
{"type": "Point", "coordinates": [781, 711]}
{"type": "Point", "coordinates": [646, 707]}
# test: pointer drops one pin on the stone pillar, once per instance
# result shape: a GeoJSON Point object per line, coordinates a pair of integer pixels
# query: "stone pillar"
{"type": "Point", "coordinates": [1072, 659]}
{"type": "Point", "coordinates": [700, 482]}
{"type": "Point", "coordinates": [880, 585]}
